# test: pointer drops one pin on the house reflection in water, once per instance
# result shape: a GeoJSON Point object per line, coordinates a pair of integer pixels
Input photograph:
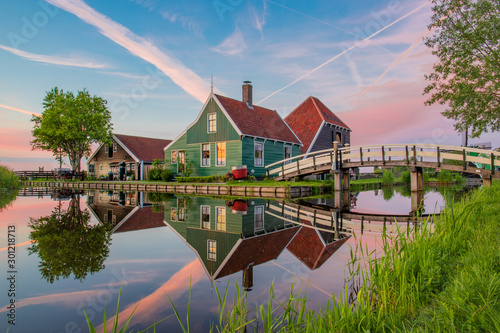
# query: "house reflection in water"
{"type": "Point", "coordinates": [124, 211]}
{"type": "Point", "coordinates": [233, 236]}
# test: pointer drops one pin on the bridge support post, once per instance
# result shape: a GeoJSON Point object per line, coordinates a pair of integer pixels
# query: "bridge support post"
{"type": "Point", "coordinates": [417, 202]}
{"type": "Point", "coordinates": [346, 200]}
{"type": "Point", "coordinates": [417, 179]}
{"type": "Point", "coordinates": [346, 177]}
{"type": "Point", "coordinates": [337, 178]}
{"type": "Point", "coordinates": [487, 180]}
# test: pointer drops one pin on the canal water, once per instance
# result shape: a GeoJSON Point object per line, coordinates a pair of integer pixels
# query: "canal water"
{"type": "Point", "coordinates": [77, 250]}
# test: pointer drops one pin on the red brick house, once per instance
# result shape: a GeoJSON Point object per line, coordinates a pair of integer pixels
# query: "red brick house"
{"type": "Point", "coordinates": [137, 153]}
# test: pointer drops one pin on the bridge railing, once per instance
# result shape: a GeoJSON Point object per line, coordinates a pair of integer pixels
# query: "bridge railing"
{"type": "Point", "coordinates": [412, 154]}
{"type": "Point", "coordinates": [404, 154]}
{"type": "Point", "coordinates": [298, 163]}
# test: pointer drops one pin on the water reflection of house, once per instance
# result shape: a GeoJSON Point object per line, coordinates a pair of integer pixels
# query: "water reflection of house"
{"type": "Point", "coordinates": [229, 237]}
{"type": "Point", "coordinates": [313, 247]}
{"type": "Point", "coordinates": [135, 153]}
{"type": "Point", "coordinates": [125, 211]}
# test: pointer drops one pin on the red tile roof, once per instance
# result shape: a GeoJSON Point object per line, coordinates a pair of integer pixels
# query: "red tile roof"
{"type": "Point", "coordinates": [257, 250]}
{"type": "Point", "coordinates": [145, 149]}
{"type": "Point", "coordinates": [307, 118]}
{"type": "Point", "coordinates": [143, 218]}
{"type": "Point", "coordinates": [308, 247]}
{"type": "Point", "coordinates": [257, 121]}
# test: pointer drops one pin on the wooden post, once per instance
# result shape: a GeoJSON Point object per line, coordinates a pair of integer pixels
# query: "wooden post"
{"type": "Point", "coordinates": [464, 159]}
{"type": "Point", "coordinates": [487, 180]}
{"type": "Point", "coordinates": [383, 156]}
{"type": "Point", "coordinates": [414, 155]}
{"type": "Point", "coordinates": [407, 156]}
{"type": "Point", "coordinates": [337, 178]}
{"type": "Point", "coordinates": [298, 168]}
{"type": "Point", "coordinates": [282, 170]}
{"type": "Point", "coordinates": [361, 155]}
{"type": "Point", "coordinates": [336, 151]}
{"type": "Point", "coordinates": [438, 157]}
{"type": "Point", "coordinates": [492, 163]}
{"type": "Point", "coordinates": [314, 162]}
{"type": "Point", "coordinates": [346, 181]}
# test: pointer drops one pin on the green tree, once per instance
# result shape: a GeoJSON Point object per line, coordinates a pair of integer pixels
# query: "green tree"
{"type": "Point", "coordinates": [67, 243]}
{"type": "Point", "coordinates": [69, 125]}
{"type": "Point", "coordinates": [466, 40]}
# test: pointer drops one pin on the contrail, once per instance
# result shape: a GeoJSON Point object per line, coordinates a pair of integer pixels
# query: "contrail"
{"type": "Point", "coordinates": [394, 63]}
{"type": "Point", "coordinates": [345, 51]}
{"type": "Point", "coordinates": [19, 110]}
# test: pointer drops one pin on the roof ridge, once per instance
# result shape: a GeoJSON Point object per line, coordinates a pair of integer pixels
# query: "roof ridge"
{"type": "Point", "coordinates": [317, 108]}
{"type": "Point", "coordinates": [138, 136]}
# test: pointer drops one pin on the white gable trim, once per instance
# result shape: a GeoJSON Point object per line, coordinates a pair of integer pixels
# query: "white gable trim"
{"type": "Point", "coordinates": [212, 95]}
{"type": "Point", "coordinates": [301, 144]}
{"type": "Point", "coordinates": [94, 153]}
{"type": "Point", "coordinates": [315, 137]}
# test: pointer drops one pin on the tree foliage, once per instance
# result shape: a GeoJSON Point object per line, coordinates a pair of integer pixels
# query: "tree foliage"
{"type": "Point", "coordinates": [466, 40]}
{"type": "Point", "coordinates": [67, 244]}
{"type": "Point", "coordinates": [69, 125]}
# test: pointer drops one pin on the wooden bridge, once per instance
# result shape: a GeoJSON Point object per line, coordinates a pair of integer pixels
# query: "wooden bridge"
{"type": "Point", "coordinates": [344, 223]}
{"type": "Point", "coordinates": [340, 161]}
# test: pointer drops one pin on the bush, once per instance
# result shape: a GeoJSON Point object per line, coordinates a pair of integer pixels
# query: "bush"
{"type": "Point", "coordinates": [206, 179]}
{"type": "Point", "coordinates": [405, 177]}
{"type": "Point", "coordinates": [445, 176]}
{"type": "Point", "coordinates": [154, 174]}
{"type": "Point", "coordinates": [166, 175]}
{"type": "Point", "coordinates": [8, 179]}
{"type": "Point", "coordinates": [387, 177]}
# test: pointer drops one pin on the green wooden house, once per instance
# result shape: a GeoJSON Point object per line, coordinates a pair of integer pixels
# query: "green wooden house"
{"type": "Point", "coordinates": [228, 240]}
{"type": "Point", "coordinates": [230, 133]}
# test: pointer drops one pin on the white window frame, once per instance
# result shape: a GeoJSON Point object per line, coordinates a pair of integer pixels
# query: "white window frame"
{"type": "Point", "coordinates": [258, 228]}
{"type": "Point", "coordinates": [212, 256]}
{"type": "Point", "coordinates": [217, 214]}
{"type": "Point", "coordinates": [106, 148]}
{"type": "Point", "coordinates": [209, 153]}
{"type": "Point", "coordinates": [202, 223]}
{"type": "Point", "coordinates": [255, 150]}
{"type": "Point", "coordinates": [214, 120]}
{"type": "Point", "coordinates": [222, 163]}
{"type": "Point", "coordinates": [285, 147]}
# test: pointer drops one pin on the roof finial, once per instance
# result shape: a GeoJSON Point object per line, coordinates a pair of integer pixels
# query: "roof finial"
{"type": "Point", "coordinates": [212, 85]}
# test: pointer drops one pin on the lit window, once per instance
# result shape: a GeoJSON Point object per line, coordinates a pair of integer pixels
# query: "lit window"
{"type": "Point", "coordinates": [174, 157]}
{"type": "Point", "coordinates": [259, 217]}
{"type": "Point", "coordinates": [221, 218]}
{"type": "Point", "coordinates": [259, 154]}
{"type": "Point", "coordinates": [339, 137]}
{"type": "Point", "coordinates": [173, 215]}
{"type": "Point", "coordinates": [205, 217]}
{"type": "Point", "coordinates": [115, 147]}
{"type": "Point", "coordinates": [211, 250]}
{"type": "Point", "coordinates": [212, 122]}
{"type": "Point", "coordinates": [205, 155]}
{"type": "Point", "coordinates": [221, 153]}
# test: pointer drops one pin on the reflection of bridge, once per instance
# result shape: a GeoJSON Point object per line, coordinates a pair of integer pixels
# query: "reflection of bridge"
{"type": "Point", "coordinates": [342, 223]}
{"type": "Point", "coordinates": [416, 156]}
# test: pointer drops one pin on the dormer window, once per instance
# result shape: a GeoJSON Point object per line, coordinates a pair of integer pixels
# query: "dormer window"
{"type": "Point", "coordinates": [212, 122]}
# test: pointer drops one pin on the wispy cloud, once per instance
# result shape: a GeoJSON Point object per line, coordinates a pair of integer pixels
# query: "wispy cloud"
{"type": "Point", "coordinates": [260, 20]}
{"type": "Point", "coordinates": [345, 51]}
{"type": "Point", "coordinates": [54, 60]}
{"type": "Point", "coordinates": [186, 22]}
{"type": "Point", "coordinates": [138, 46]}
{"type": "Point", "coordinates": [232, 45]}
{"type": "Point", "coordinates": [19, 110]}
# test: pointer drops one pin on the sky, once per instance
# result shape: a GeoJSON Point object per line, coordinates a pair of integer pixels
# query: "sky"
{"type": "Point", "coordinates": [153, 61]}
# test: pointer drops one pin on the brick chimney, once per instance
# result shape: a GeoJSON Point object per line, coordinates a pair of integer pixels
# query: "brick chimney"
{"type": "Point", "coordinates": [247, 92]}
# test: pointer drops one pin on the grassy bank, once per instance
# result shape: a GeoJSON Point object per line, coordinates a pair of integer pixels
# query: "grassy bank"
{"type": "Point", "coordinates": [447, 279]}
{"type": "Point", "coordinates": [9, 185]}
